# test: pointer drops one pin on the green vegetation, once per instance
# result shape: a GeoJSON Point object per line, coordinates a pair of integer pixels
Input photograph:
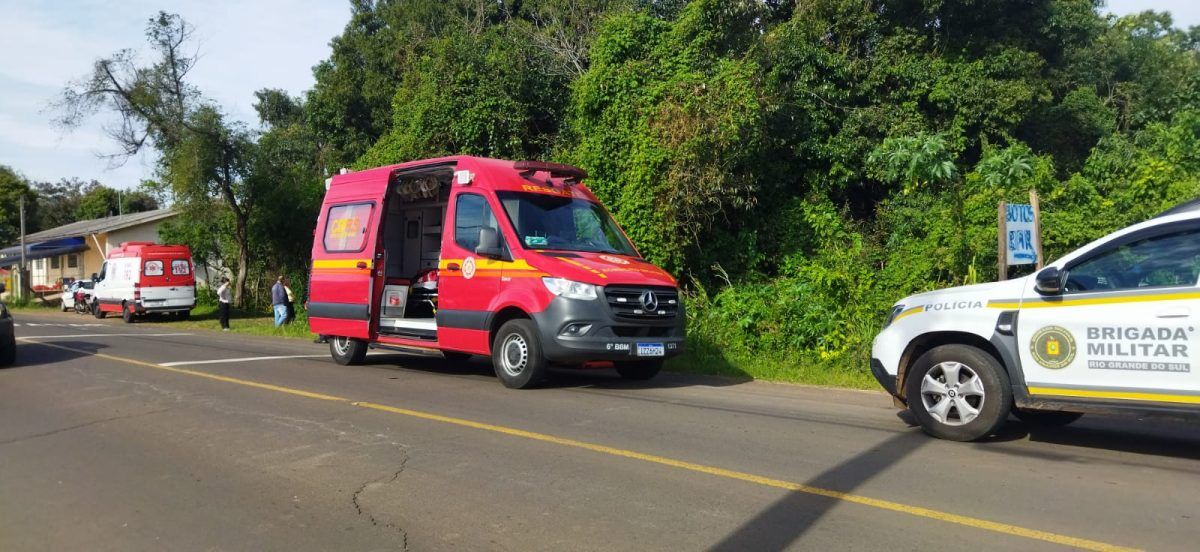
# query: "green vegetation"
{"type": "Point", "coordinates": [799, 165]}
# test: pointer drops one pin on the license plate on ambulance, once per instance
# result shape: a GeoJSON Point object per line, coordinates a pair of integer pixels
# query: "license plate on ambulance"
{"type": "Point", "coordinates": [651, 350]}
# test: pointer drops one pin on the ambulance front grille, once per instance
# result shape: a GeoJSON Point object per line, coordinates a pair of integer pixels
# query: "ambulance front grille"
{"type": "Point", "coordinates": [626, 302]}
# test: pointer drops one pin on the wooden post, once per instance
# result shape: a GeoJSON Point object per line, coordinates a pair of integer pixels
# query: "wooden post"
{"type": "Point", "coordinates": [1002, 256]}
{"type": "Point", "coordinates": [1037, 227]}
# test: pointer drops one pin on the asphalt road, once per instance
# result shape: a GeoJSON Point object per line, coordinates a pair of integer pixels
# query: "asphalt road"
{"type": "Point", "coordinates": [147, 437]}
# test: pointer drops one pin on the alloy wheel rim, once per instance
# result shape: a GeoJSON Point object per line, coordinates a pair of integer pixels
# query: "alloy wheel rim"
{"type": "Point", "coordinates": [952, 393]}
{"type": "Point", "coordinates": [342, 344]}
{"type": "Point", "coordinates": [514, 355]}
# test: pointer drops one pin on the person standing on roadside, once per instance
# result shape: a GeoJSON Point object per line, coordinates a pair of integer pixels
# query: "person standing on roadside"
{"type": "Point", "coordinates": [224, 298]}
{"type": "Point", "coordinates": [279, 301]}
{"type": "Point", "coordinates": [291, 304]}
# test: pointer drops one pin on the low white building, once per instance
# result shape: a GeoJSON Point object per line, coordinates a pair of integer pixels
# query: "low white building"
{"type": "Point", "coordinates": [75, 251]}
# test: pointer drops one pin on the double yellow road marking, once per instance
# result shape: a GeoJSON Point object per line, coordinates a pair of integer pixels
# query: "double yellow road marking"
{"type": "Point", "coordinates": [1004, 528]}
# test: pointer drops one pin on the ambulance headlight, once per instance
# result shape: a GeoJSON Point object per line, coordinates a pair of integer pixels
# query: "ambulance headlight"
{"type": "Point", "coordinates": [563, 287]}
{"type": "Point", "coordinates": [896, 310]}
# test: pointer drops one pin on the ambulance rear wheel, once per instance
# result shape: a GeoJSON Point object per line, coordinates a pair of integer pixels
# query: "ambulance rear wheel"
{"type": "Point", "coordinates": [517, 355]}
{"type": "Point", "coordinates": [639, 371]}
{"type": "Point", "coordinates": [958, 393]}
{"type": "Point", "coordinates": [347, 351]}
{"type": "Point", "coordinates": [126, 313]}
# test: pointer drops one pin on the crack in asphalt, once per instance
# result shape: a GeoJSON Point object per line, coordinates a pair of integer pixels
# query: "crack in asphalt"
{"type": "Point", "coordinates": [79, 426]}
{"type": "Point", "coordinates": [361, 511]}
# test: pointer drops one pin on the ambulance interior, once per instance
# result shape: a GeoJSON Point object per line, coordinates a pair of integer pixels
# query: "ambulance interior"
{"type": "Point", "coordinates": [412, 241]}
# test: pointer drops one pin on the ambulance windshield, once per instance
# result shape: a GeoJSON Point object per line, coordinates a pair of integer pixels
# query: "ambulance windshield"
{"type": "Point", "coordinates": [550, 222]}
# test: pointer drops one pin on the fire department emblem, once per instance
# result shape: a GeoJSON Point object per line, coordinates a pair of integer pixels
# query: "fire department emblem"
{"type": "Point", "coordinates": [614, 260]}
{"type": "Point", "coordinates": [1053, 347]}
{"type": "Point", "coordinates": [468, 268]}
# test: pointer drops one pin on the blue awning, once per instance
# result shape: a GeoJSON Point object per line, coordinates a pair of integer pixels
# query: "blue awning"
{"type": "Point", "coordinates": [11, 256]}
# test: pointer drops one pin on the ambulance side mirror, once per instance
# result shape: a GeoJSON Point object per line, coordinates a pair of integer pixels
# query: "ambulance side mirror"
{"type": "Point", "coordinates": [1049, 281]}
{"type": "Point", "coordinates": [489, 244]}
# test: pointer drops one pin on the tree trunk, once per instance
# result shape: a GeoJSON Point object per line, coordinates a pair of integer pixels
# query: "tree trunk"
{"type": "Point", "coordinates": [243, 262]}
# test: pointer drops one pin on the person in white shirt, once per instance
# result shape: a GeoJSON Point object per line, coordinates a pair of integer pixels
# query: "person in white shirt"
{"type": "Point", "coordinates": [224, 298]}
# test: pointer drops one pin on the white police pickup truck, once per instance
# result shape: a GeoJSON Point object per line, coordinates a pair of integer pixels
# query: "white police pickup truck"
{"type": "Point", "coordinates": [1110, 327]}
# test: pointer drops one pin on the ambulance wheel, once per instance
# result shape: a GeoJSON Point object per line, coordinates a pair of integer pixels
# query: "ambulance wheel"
{"type": "Point", "coordinates": [347, 351]}
{"type": "Point", "coordinates": [1046, 418]}
{"type": "Point", "coordinates": [517, 355]}
{"type": "Point", "coordinates": [958, 393]}
{"type": "Point", "coordinates": [97, 312]}
{"type": "Point", "coordinates": [126, 313]}
{"type": "Point", "coordinates": [639, 371]}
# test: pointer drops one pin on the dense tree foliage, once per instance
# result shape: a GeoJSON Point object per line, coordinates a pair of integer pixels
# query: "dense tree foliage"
{"type": "Point", "coordinates": [800, 165]}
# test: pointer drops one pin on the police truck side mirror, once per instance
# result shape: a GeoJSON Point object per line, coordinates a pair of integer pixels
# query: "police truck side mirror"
{"type": "Point", "coordinates": [1049, 281]}
{"type": "Point", "coordinates": [489, 244]}
{"type": "Point", "coordinates": [95, 277]}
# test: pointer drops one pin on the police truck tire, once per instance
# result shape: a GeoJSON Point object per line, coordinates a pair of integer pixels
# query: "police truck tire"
{"type": "Point", "coordinates": [126, 313]}
{"type": "Point", "coordinates": [1046, 418]}
{"type": "Point", "coordinates": [347, 351]}
{"type": "Point", "coordinates": [958, 393]}
{"type": "Point", "coordinates": [517, 355]}
{"type": "Point", "coordinates": [97, 311]}
{"type": "Point", "coordinates": [639, 371]}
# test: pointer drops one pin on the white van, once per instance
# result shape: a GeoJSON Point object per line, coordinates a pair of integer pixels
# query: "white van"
{"type": "Point", "coordinates": [1110, 327]}
{"type": "Point", "coordinates": [142, 277]}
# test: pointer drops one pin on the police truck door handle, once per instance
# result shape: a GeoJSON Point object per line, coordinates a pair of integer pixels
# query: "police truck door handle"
{"type": "Point", "coordinates": [1181, 312]}
{"type": "Point", "coordinates": [452, 267]}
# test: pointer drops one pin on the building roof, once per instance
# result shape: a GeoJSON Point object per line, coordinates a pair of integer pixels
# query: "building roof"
{"type": "Point", "coordinates": [101, 225]}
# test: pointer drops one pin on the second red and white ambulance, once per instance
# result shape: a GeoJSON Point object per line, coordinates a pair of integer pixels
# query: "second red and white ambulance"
{"type": "Point", "coordinates": [139, 278]}
{"type": "Point", "coordinates": [466, 255]}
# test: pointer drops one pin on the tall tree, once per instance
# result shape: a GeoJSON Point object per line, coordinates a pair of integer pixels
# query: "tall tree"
{"type": "Point", "coordinates": [13, 187]}
{"type": "Point", "coordinates": [203, 155]}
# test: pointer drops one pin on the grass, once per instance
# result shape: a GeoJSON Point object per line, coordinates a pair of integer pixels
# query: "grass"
{"type": "Point", "coordinates": [773, 368]}
{"type": "Point", "coordinates": [204, 317]}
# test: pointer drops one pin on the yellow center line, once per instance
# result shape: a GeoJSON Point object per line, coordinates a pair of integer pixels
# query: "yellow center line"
{"type": "Point", "coordinates": [977, 523]}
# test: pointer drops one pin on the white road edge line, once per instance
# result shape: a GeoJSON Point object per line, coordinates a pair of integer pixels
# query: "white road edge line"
{"type": "Point", "coordinates": [246, 359]}
{"type": "Point", "coordinates": [74, 336]}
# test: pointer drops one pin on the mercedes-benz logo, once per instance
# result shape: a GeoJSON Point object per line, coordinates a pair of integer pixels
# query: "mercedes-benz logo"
{"type": "Point", "coordinates": [649, 300]}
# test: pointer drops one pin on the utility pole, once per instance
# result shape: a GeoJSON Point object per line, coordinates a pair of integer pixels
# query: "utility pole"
{"type": "Point", "coordinates": [120, 204]}
{"type": "Point", "coordinates": [22, 272]}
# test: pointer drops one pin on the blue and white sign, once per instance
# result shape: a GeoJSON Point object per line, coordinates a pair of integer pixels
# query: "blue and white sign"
{"type": "Point", "coordinates": [1022, 246]}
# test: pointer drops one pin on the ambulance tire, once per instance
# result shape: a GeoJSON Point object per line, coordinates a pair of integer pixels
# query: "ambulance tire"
{"type": "Point", "coordinates": [992, 404]}
{"type": "Point", "coordinates": [126, 313]}
{"type": "Point", "coordinates": [517, 355]}
{"type": "Point", "coordinates": [1046, 418]}
{"type": "Point", "coordinates": [97, 312]}
{"type": "Point", "coordinates": [347, 351]}
{"type": "Point", "coordinates": [639, 371]}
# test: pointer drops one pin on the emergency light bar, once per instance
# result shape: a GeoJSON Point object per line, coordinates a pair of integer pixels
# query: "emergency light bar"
{"type": "Point", "coordinates": [570, 175]}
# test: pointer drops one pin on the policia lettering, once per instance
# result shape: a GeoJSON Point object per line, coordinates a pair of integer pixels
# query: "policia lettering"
{"type": "Point", "coordinates": [1053, 347]}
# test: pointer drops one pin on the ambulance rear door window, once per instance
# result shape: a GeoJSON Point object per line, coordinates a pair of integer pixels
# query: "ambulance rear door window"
{"type": "Point", "coordinates": [346, 227]}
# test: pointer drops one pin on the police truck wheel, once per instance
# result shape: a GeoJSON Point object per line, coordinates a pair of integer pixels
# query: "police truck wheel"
{"type": "Point", "coordinates": [347, 351]}
{"type": "Point", "coordinates": [958, 392]}
{"type": "Point", "coordinates": [1046, 418]}
{"type": "Point", "coordinates": [97, 312]}
{"type": "Point", "coordinates": [639, 371]}
{"type": "Point", "coordinates": [517, 355]}
{"type": "Point", "coordinates": [126, 313]}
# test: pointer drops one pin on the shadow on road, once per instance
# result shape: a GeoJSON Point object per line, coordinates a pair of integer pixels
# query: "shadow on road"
{"type": "Point", "coordinates": [1156, 437]}
{"type": "Point", "coordinates": [781, 524]}
{"type": "Point", "coordinates": [36, 353]}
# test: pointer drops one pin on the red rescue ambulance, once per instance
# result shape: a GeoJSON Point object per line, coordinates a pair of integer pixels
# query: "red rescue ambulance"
{"type": "Point", "coordinates": [475, 256]}
{"type": "Point", "coordinates": [143, 277]}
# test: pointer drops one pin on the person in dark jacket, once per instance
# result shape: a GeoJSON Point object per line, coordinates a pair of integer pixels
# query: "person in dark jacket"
{"type": "Point", "coordinates": [279, 301]}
